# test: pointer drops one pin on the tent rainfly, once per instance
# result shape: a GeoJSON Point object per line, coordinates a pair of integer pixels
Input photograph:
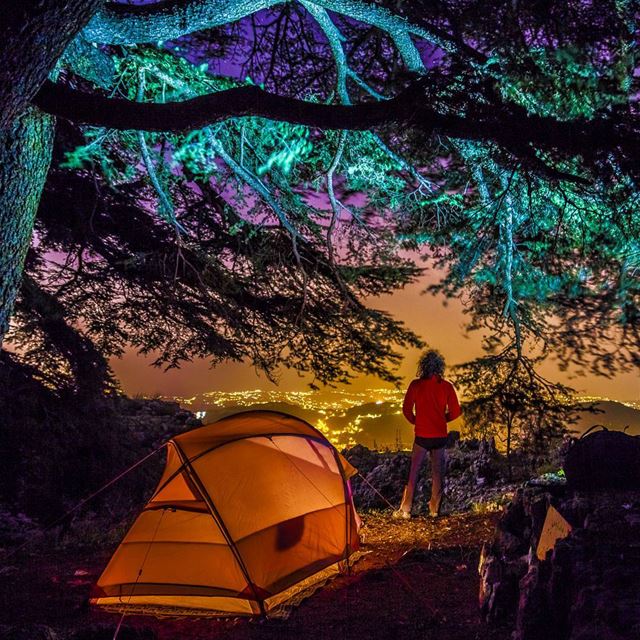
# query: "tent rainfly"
{"type": "Point", "coordinates": [251, 512]}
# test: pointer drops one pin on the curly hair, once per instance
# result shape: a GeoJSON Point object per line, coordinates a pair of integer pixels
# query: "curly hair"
{"type": "Point", "coordinates": [431, 363]}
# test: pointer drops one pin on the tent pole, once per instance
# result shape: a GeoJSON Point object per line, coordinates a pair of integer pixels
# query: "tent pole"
{"type": "Point", "coordinates": [218, 519]}
{"type": "Point", "coordinates": [347, 509]}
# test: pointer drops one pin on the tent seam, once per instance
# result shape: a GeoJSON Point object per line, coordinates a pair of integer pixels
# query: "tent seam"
{"type": "Point", "coordinates": [225, 532]}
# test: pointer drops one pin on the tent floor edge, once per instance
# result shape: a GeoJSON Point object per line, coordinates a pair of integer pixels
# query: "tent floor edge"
{"type": "Point", "coordinates": [159, 607]}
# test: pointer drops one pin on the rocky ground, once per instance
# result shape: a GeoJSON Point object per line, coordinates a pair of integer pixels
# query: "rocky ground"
{"type": "Point", "coordinates": [418, 579]}
{"type": "Point", "coordinates": [131, 428]}
{"type": "Point", "coordinates": [587, 587]}
{"type": "Point", "coordinates": [476, 478]}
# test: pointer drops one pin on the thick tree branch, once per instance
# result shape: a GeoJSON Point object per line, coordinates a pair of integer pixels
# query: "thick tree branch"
{"type": "Point", "coordinates": [512, 130]}
{"type": "Point", "coordinates": [334, 39]}
{"type": "Point", "coordinates": [170, 19]}
{"type": "Point", "coordinates": [195, 113]}
{"type": "Point", "coordinates": [166, 20]}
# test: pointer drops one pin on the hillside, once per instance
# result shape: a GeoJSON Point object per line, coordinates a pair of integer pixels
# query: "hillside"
{"type": "Point", "coordinates": [615, 415]}
{"type": "Point", "coordinates": [372, 419]}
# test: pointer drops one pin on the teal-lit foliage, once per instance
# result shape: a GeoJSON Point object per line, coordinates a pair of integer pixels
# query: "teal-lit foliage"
{"type": "Point", "coordinates": [267, 171]}
{"type": "Point", "coordinates": [541, 242]}
{"type": "Point", "coordinates": [567, 83]}
{"type": "Point", "coordinates": [304, 308]}
{"type": "Point", "coordinates": [291, 147]}
{"type": "Point", "coordinates": [550, 265]}
{"type": "Point", "coordinates": [283, 156]}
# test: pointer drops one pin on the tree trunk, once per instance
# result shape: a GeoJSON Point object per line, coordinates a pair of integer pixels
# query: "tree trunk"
{"type": "Point", "coordinates": [33, 35]}
{"type": "Point", "coordinates": [25, 154]}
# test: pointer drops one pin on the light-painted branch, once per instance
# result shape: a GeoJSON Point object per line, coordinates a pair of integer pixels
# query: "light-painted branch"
{"type": "Point", "coordinates": [254, 182]}
{"type": "Point", "coordinates": [167, 210]}
{"type": "Point", "coordinates": [137, 24]}
{"type": "Point", "coordinates": [159, 21]}
{"type": "Point", "coordinates": [506, 246]}
{"type": "Point", "coordinates": [422, 182]}
{"type": "Point", "coordinates": [335, 207]}
{"type": "Point", "coordinates": [510, 309]}
{"type": "Point", "coordinates": [237, 168]}
{"type": "Point", "coordinates": [334, 38]}
{"type": "Point", "coordinates": [367, 87]}
{"type": "Point", "coordinates": [335, 213]}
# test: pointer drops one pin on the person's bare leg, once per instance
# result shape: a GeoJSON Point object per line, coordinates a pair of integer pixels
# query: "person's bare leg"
{"type": "Point", "coordinates": [417, 458]}
{"type": "Point", "coordinates": [437, 479]}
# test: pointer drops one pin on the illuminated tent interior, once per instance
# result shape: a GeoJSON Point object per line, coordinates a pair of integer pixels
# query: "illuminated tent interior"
{"type": "Point", "coordinates": [251, 513]}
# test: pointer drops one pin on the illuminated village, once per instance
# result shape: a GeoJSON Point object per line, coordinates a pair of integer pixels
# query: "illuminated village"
{"type": "Point", "coordinates": [329, 408]}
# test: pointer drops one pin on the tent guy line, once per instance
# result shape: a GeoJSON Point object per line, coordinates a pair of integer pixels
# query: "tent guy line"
{"type": "Point", "coordinates": [83, 502]}
{"type": "Point", "coordinates": [146, 555]}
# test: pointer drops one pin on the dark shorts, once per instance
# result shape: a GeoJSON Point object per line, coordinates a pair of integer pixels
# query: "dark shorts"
{"type": "Point", "coordinates": [430, 443]}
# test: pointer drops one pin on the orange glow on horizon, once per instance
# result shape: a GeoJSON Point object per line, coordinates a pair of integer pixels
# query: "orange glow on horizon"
{"type": "Point", "coordinates": [439, 322]}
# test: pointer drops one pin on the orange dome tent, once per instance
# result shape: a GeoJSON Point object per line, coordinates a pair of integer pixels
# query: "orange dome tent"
{"type": "Point", "coordinates": [249, 513]}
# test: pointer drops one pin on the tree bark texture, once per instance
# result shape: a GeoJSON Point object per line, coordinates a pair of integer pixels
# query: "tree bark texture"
{"type": "Point", "coordinates": [33, 35]}
{"type": "Point", "coordinates": [25, 154]}
{"type": "Point", "coordinates": [166, 20]}
{"type": "Point", "coordinates": [169, 19]}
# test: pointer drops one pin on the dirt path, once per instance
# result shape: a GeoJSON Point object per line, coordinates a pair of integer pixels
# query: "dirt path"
{"type": "Point", "coordinates": [419, 580]}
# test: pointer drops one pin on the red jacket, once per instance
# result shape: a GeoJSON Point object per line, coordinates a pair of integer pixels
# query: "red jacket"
{"type": "Point", "coordinates": [435, 402]}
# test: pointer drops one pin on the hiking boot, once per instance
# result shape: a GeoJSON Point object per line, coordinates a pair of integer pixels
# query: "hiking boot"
{"type": "Point", "coordinates": [401, 514]}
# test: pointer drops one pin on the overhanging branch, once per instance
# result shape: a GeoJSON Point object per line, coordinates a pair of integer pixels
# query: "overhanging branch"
{"type": "Point", "coordinates": [519, 133]}
{"type": "Point", "coordinates": [195, 113]}
{"type": "Point", "coordinates": [119, 23]}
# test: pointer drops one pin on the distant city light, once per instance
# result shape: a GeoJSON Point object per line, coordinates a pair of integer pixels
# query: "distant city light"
{"type": "Point", "coordinates": [344, 416]}
{"type": "Point", "coordinates": [330, 407]}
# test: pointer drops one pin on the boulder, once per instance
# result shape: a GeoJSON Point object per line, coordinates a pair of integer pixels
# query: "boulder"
{"type": "Point", "coordinates": [602, 460]}
{"type": "Point", "coordinates": [586, 587]}
{"type": "Point", "coordinates": [388, 478]}
{"type": "Point", "coordinates": [473, 477]}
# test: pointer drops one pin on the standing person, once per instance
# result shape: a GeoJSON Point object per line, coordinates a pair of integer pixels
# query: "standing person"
{"type": "Point", "coordinates": [430, 402]}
